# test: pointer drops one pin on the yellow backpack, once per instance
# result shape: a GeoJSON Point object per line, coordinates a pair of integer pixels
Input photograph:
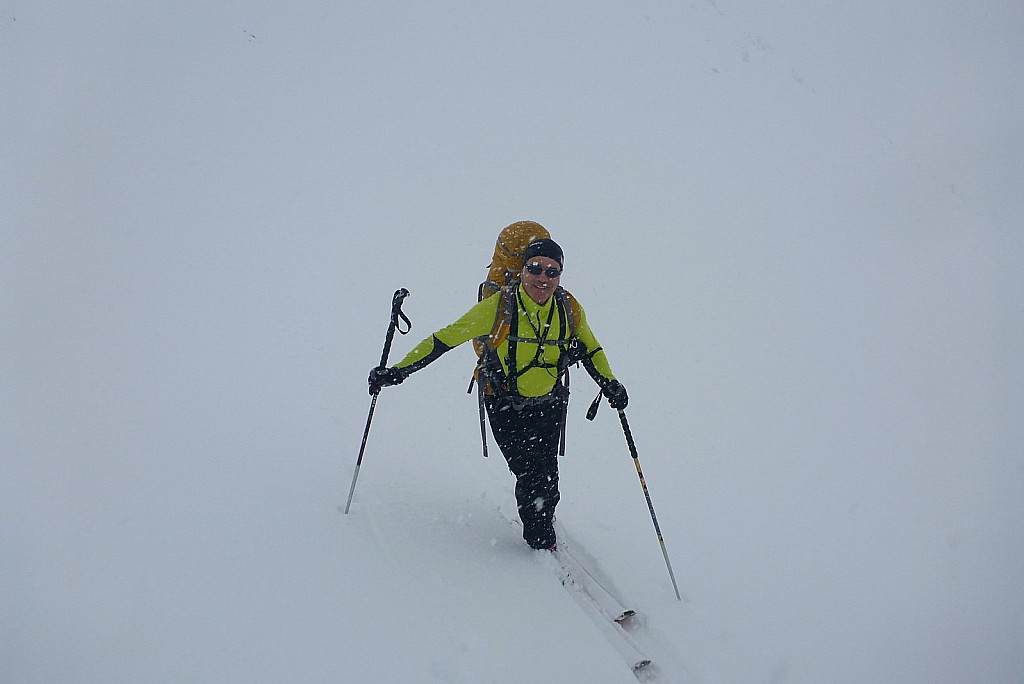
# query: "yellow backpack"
{"type": "Point", "coordinates": [505, 269]}
{"type": "Point", "coordinates": [507, 263]}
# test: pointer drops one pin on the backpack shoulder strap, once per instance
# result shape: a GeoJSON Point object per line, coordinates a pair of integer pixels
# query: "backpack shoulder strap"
{"type": "Point", "coordinates": [486, 289]}
{"type": "Point", "coordinates": [574, 349]}
{"type": "Point", "coordinates": [488, 372]}
{"type": "Point", "coordinates": [503, 316]}
{"type": "Point", "coordinates": [568, 303]}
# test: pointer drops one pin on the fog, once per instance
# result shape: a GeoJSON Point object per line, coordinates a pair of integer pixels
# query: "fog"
{"type": "Point", "coordinates": [796, 232]}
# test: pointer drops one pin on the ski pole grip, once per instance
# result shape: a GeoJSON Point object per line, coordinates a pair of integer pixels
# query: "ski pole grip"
{"type": "Point", "coordinates": [396, 302]}
{"type": "Point", "coordinates": [396, 314]}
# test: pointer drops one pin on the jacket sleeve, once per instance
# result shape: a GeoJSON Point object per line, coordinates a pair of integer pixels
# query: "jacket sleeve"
{"type": "Point", "coordinates": [474, 323]}
{"type": "Point", "coordinates": [596, 362]}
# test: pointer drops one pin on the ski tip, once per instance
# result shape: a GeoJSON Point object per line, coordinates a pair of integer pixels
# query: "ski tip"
{"type": "Point", "coordinates": [641, 665]}
{"type": "Point", "coordinates": [626, 615]}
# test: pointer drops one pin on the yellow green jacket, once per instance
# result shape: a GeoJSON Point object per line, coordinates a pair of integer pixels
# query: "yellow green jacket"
{"type": "Point", "coordinates": [536, 362]}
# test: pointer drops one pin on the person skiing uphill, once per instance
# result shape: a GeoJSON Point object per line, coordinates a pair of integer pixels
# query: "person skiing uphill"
{"type": "Point", "coordinates": [534, 330]}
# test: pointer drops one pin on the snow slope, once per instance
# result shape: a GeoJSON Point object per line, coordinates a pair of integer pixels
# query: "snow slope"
{"type": "Point", "coordinates": [795, 229]}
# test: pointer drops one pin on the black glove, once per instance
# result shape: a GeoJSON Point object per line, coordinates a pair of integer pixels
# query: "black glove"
{"type": "Point", "coordinates": [384, 377]}
{"type": "Point", "coordinates": [616, 393]}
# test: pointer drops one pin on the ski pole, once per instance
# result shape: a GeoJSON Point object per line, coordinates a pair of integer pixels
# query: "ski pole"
{"type": "Point", "coordinates": [396, 313]}
{"type": "Point", "coordinates": [647, 494]}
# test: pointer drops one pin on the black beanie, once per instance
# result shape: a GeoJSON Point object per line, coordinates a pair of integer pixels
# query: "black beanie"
{"type": "Point", "coordinates": [544, 247]}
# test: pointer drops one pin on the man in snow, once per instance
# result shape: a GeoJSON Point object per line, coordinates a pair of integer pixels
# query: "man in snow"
{"type": "Point", "coordinates": [534, 330]}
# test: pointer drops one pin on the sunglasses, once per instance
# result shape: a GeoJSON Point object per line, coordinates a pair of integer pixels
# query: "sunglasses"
{"type": "Point", "coordinates": [536, 269]}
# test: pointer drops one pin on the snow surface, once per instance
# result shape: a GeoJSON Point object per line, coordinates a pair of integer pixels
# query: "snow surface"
{"type": "Point", "coordinates": [796, 230]}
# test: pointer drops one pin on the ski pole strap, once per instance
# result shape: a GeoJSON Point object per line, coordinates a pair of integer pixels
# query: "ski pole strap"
{"type": "Point", "coordinates": [594, 405]}
{"type": "Point", "coordinates": [396, 314]}
{"type": "Point", "coordinates": [565, 415]}
{"type": "Point", "coordinates": [483, 419]}
{"type": "Point", "coordinates": [408, 323]}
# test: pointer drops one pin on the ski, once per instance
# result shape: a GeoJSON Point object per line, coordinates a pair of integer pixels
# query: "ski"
{"type": "Point", "coordinates": [625, 616]}
{"type": "Point", "coordinates": [581, 577]}
{"type": "Point", "coordinates": [610, 624]}
{"type": "Point", "coordinates": [603, 608]}
{"type": "Point", "coordinates": [611, 604]}
{"type": "Point", "coordinates": [587, 580]}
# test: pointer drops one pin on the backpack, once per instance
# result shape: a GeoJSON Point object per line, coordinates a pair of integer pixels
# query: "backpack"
{"type": "Point", "coordinates": [507, 263]}
{"type": "Point", "coordinates": [505, 268]}
{"type": "Point", "coordinates": [503, 277]}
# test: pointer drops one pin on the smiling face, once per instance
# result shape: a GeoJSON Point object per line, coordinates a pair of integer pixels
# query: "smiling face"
{"type": "Point", "coordinates": [540, 286]}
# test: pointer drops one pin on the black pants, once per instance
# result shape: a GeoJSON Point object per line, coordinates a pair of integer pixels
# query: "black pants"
{"type": "Point", "coordinates": [527, 434]}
